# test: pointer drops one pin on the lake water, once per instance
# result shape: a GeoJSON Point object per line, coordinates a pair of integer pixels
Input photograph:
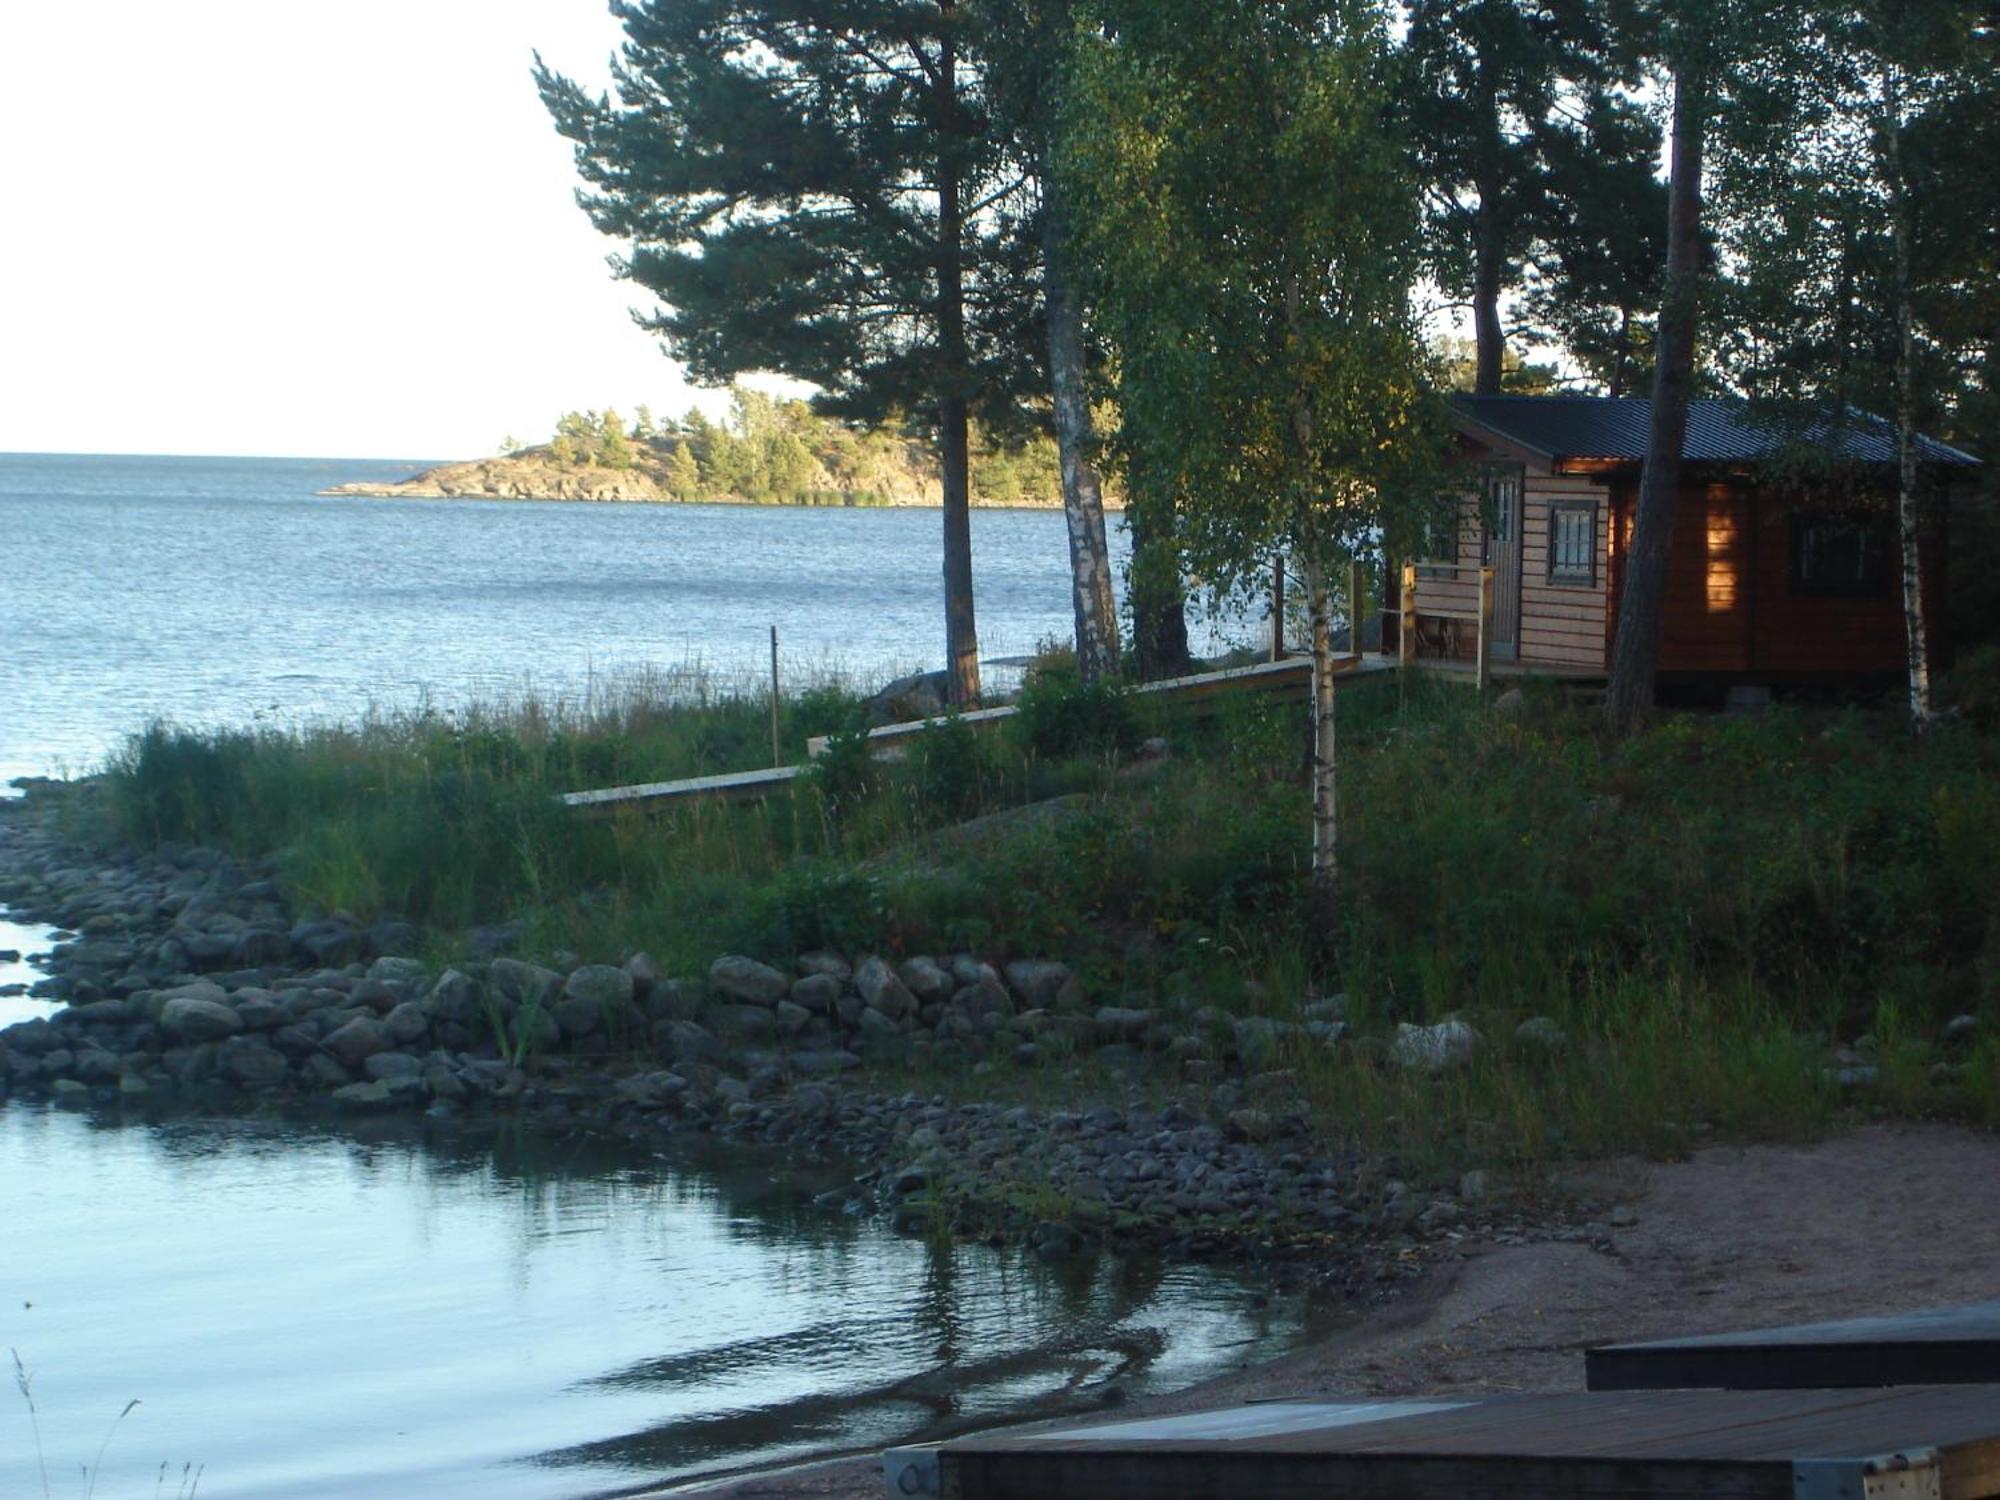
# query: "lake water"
{"type": "Point", "coordinates": [309, 1312]}
{"type": "Point", "coordinates": [224, 591]}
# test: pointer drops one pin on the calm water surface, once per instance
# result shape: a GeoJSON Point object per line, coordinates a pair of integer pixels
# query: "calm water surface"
{"type": "Point", "coordinates": [223, 591]}
{"type": "Point", "coordinates": [314, 1313]}
{"type": "Point", "coordinates": [308, 1312]}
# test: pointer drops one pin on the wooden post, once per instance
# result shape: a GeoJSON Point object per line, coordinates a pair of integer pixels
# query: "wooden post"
{"type": "Point", "coordinates": [1485, 629]}
{"type": "Point", "coordinates": [1357, 596]}
{"type": "Point", "coordinates": [1406, 630]}
{"type": "Point", "coordinates": [777, 750]}
{"type": "Point", "coordinates": [1278, 606]}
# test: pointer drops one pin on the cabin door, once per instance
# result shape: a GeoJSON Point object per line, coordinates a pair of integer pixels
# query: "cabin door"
{"type": "Point", "coordinates": [1502, 553]}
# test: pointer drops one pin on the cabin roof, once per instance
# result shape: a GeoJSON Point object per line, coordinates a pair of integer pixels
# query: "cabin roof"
{"type": "Point", "coordinates": [1601, 428]}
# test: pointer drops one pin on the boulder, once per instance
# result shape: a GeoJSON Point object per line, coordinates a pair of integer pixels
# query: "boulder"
{"type": "Point", "coordinates": [645, 974]}
{"type": "Point", "coordinates": [95, 1013]}
{"type": "Point", "coordinates": [882, 990]}
{"type": "Point", "coordinates": [252, 1064]}
{"type": "Point", "coordinates": [357, 1041]}
{"type": "Point", "coordinates": [594, 999]}
{"type": "Point", "coordinates": [1042, 985]}
{"type": "Point", "coordinates": [405, 975]}
{"type": "Point", "coordinates": [1119, 1023]}
{"type": "Point", "coordinates": [652, 1090]}
{"type": "Point", "coordinates": [455, 997]}
{"type": "Point", "coordinates": [746, 1023]}
{"type": "Point", "coordinates": [818, 993]}
{"type": "Point", "coordinates": [830, 964]}
{"type": "Point", "coordinates": [407, 1023]}
{"type": "Point", "coordinates": [927, 980]}
{"type": "Point", "coordinates": [523, 983]}
{"type": "Point", "coordinates": [919, 696]}
{"type": "Point", "coordinates": [1540, 1034]}
{"type": "Point", "coordinates": [1433, 1049]}
{"type": "Point", "coordinates": [190, 1018]}
{"type": "Point", "coordinates": [738, 978]}
{"type": "Point", "coordinates": [387, 1065]}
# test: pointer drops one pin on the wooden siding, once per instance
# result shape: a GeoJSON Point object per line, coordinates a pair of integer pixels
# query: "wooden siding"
{"type": "Point", "coordinates": [1562, 624]}
{"type": "Point", "coordinates": [1730, 609]}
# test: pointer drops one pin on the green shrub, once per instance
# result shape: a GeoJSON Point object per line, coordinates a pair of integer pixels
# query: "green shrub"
{"type": "Point", "coordinates": [1061, 717]}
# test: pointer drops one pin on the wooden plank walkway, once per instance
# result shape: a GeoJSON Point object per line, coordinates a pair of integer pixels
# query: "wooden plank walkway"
{"type": "Point", "coordinates": [1941, 1441]}
{"type": "Point", "coordinates": [1291, 678]}
{"type": "Point", "coordinates": [1934, 1346]}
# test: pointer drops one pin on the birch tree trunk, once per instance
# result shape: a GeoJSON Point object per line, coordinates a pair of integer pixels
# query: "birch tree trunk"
{"type": "Point", "coordinates": [1635, 656]}
{"type": "Point", "coordinates": [1908, 499]}
{"type": "Point", "coordinates": [1325, 807]}
{"type": "Point", "coordinates": [1083, 497]}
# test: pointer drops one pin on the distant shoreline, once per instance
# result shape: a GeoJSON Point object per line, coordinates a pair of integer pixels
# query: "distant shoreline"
{"type": "Point", "coordinates": [537, 475]}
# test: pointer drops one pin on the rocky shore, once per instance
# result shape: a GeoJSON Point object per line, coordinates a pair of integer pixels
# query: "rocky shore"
{"type": "Point", "coordinates": [187, 980]}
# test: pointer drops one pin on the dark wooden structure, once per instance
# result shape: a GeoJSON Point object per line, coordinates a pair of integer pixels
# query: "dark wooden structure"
{"type": "Point", "coordinates": [1941, 1442]}
{"type": "Point", "coordinates": [1765, 583]}
{"type": "Point", "coordinates": [1936, 1346]}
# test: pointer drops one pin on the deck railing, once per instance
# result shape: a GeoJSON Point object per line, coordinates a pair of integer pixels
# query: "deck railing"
{"type": "Point", "coordinates": [1481, 614]}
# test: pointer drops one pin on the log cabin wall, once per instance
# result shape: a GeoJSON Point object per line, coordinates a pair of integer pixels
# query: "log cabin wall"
{"type": "Point", "coordinates": [1564, 624]}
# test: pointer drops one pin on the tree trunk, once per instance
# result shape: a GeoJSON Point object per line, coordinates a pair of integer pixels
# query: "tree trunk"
{"type": "Point", "coordinates": [1908, 529]}
{"type": "Point", "coordinates": [1159, 603]}
{"type": "Point", "coordinates": [1083, 500]}
{"type": "Point", "coordinates": [1489, 343]}
{"type": "Point", "coordinates": [960, 629]}
{"type": "Point", "coordinates": [1326, 827]}
{"type": "Point", "coordinates": [1635, 657]}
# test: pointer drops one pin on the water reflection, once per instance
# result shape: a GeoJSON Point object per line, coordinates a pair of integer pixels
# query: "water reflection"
{"type": "Point", "coordinates": [313, 1310]}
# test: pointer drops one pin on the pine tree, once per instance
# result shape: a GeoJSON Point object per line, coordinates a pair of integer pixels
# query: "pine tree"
{"type": "Point", "coordinates": [811, 189]}
{"type": "Point", "coordinates": [683, 474]}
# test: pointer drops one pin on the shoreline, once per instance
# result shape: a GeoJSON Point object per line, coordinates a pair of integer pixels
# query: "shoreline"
{"type": "Point", "coordinates": [369, 491]}
{"type": "Point", "coordinates": [186, 979]}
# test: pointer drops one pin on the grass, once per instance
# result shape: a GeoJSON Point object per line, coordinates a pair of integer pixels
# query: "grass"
{"type": "Point", "coordinates": [1705, 910]}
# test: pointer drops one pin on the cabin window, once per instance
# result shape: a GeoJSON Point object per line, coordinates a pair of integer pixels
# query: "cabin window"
{"type": "Point", "coordinates": [1839, 555]}
{"type": "Point", "coordinates": [1573, 543]}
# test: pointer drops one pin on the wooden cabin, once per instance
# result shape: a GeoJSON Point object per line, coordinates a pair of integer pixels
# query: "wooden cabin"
{"type": "Point", "coordinates": [1764, 584]}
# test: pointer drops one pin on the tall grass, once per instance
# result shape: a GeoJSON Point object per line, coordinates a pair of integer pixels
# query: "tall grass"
{"type": "Point", "coordinates": [1703, 908]}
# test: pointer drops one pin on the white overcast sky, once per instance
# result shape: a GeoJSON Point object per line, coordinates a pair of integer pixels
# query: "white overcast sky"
{"type": "Point", "coordinates": [252, 227]}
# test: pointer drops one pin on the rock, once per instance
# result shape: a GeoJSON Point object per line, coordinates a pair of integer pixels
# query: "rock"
{"type": "Point", "coordinates": [792, 1019]}
{"type": "Point", "coordinates": [1541, 1034]}
{"type": "Point", "coordinates": [523, 983]}
{"type": "Point", "coordinates": [983, 1007]}
{"type": "Point", "coordinates": [322, 1072]}
{"type": "Point", "coordinates": [95, 1013]}
{"type": "Point", "coordinates": [1118, 1023]}
{"type": "Point", "coordinates": [387, 1065]}
{"type": "Point", "coordinates": [822, 1062]}
{"type": "Point", "coordinates": [1249, 1125]}
{"type": "Point", "coordinates": [925, 979]}
{"type": "Point", "coordinates": [1960, 1032]}
{"type": "Point", "coordinates": [740, 978]}
{"type": "Point", "coordinates": [685, 1041]}
{"type": "Point", "coordinates": [919, 696]}
{"type": "Point", "coordinates": [252, 1064]}
{"type": "Point", "coordinates": [455, 997]}
{"type": "Point", "coordinates": [262, 947]}
{"type": "Point", "coordinates": [1510, 704]}
{"type": "Point", "coordinates": [357, 1041]}
{"type": "Point", "coordinates": [818, 993]}
{"type": "Point", "coordinates": [878, 1023]}
{"type": "Point", "coordinates": [823, 962]}
{"type": "Point", "coordinates": [189, 1018]}
{"type": "Point", "coordinates": [1624, 1217]}
{"type": "Point", "coordinates": [746, 1023]}
{"type": "Point", "coordinates": [652, 1090]}
{"type": "Point", "coordinates": [329, 944]}
{"type": "Point", "coordinates": [879, 987]}
{"type": "Point", "coordinates": [645, 976]}
{"type": "Point", "coordinates": [407, 1022]}
{"type": "Point", "coordinates": [1473, 1186]}
{"type": "Point", "coordinates": [95, 1065]}
{"type": "Point", "coordinates": [499, 937]}
{"type": "Point", "coordinates": [444, 1084]}
{"type": "Point", "coordinates": [260, 1009]}
{"type": "Point", "coordinates": [364, 1098]}
{"type": "Point", "coordinates": [1432, 1049]}
{"type": "Point", "coordinates": [405, 975]}
{"type": "Point", "coordinates": [595, 998]}
{"type": "Point", "coordinates": [1043, 985]}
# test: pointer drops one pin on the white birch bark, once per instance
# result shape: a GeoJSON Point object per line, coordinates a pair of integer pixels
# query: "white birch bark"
{"type": "Point", "coordinates": [1908, 498]}
{"type": "Point", "coordinates": [1325, 806]}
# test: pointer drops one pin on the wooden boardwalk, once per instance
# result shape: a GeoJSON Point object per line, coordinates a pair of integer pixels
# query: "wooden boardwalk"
{"type": "Point", "coordinates": [1941, 1442]}
{"type": "Point", "coordinates": [1291, 677]}
{"type": "Point", "coordinates": [1936, 1346]}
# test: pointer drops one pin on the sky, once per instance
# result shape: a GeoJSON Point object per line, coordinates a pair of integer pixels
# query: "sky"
{"type": "Point", "coordinates": [342, 230]}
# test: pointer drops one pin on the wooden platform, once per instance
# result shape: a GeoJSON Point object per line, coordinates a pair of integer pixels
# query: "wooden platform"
{"type": "Point", "coordinates": [1936, 1346]}
{"type": "Point", "coordinates": [1903, 1444]}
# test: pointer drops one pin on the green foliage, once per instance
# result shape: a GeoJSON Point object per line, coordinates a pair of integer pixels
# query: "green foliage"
{"type": "Point", "coordinates": [1060, 716]}
{"type": "Point", "coordinates": [952, 775]}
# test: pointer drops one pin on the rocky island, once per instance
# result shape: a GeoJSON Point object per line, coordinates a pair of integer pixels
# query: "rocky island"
{"type": "Point", "coordinates": [767, 452]}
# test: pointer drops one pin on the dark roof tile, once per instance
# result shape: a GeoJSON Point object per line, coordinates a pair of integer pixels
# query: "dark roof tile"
{"type": "Point", "coordinates": [1719, 431]}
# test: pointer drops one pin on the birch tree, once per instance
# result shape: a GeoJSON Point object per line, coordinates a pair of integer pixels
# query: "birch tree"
{"type": "Point", "coordinates": [1255, 230]}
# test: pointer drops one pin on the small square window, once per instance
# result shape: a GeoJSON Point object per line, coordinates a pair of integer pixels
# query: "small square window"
{"type": "Point", "coordinates": [1573, 543]}
{"type": "Point", "coordinates": [1839, 556]}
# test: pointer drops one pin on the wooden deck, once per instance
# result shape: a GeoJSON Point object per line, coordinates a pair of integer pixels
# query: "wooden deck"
{"type": "Point", "coordinates": [1290, 678]}
{"type": "Point", "coordinates": [1936, 1346]}
{"type": "Point", "coordinates": [1904, 1444]}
